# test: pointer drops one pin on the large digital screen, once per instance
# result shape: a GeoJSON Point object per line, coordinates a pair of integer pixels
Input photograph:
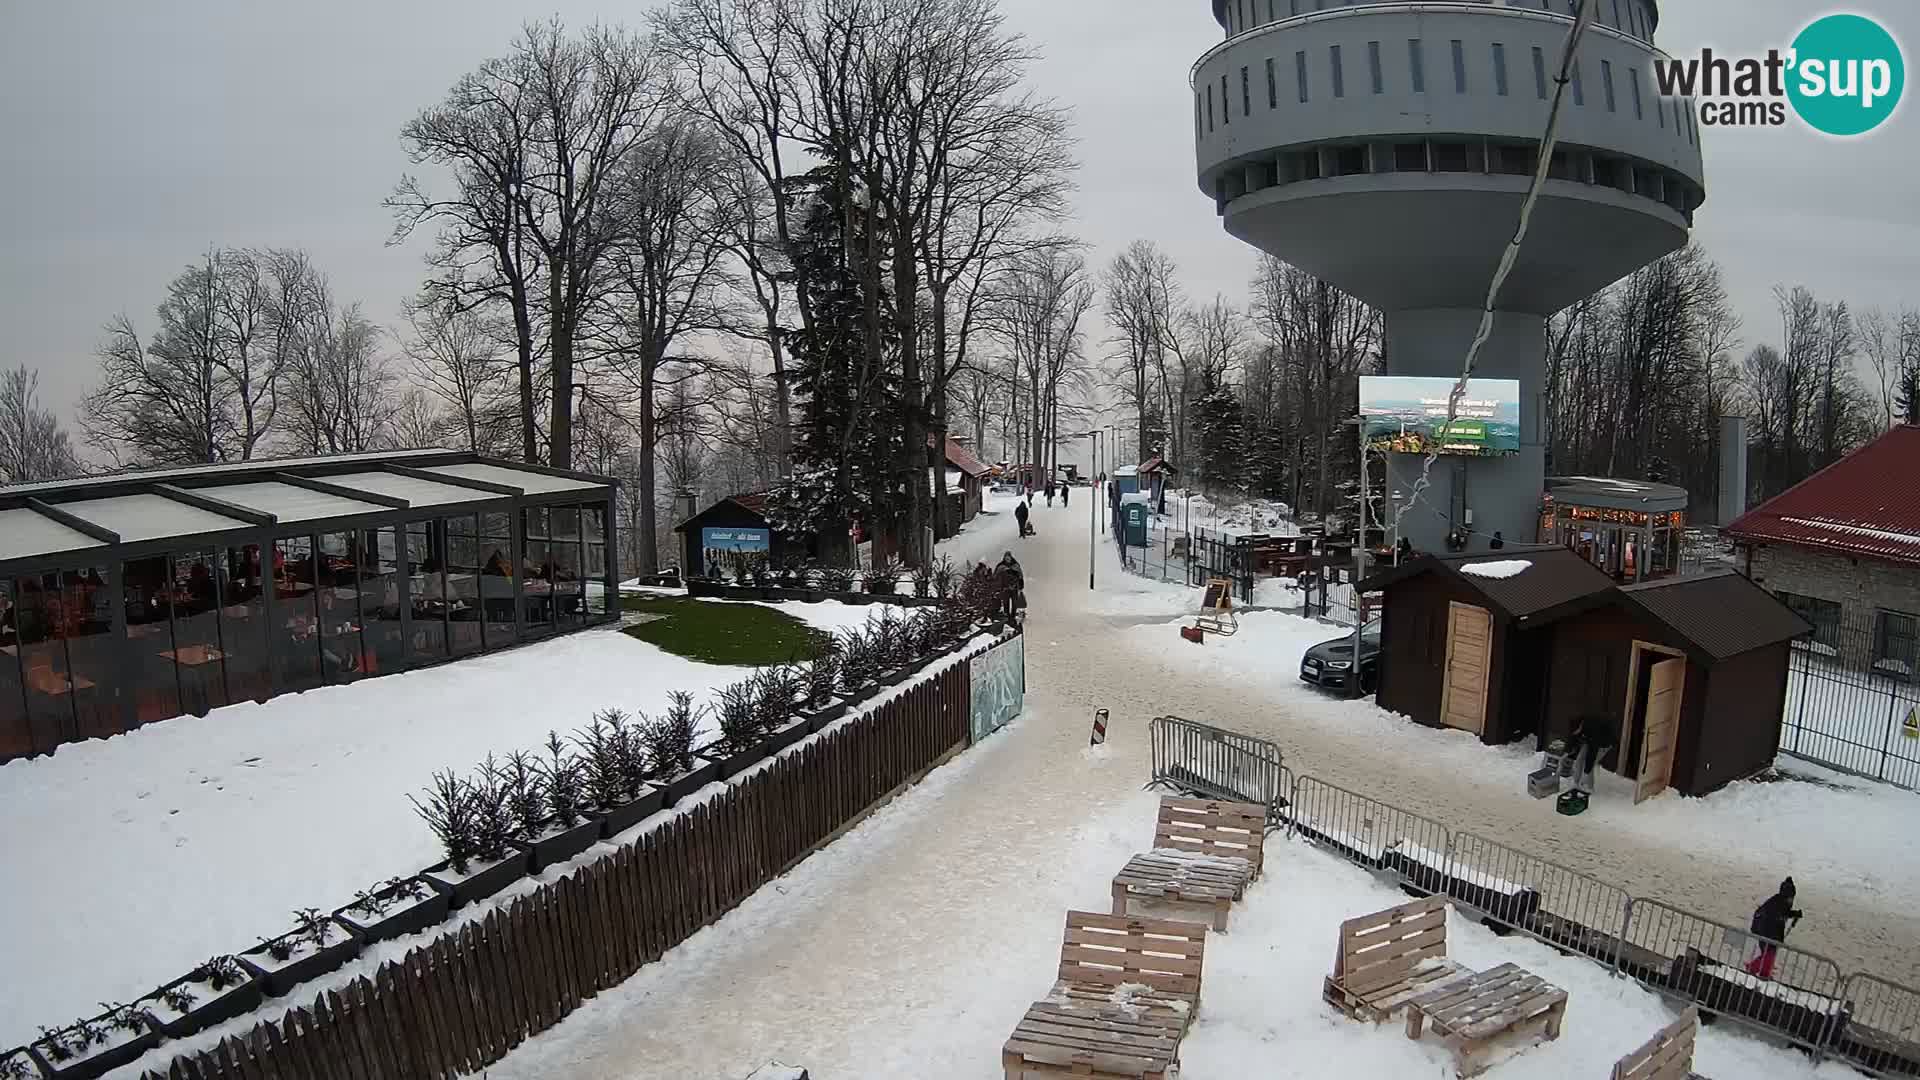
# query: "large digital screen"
{"type": "Point", "coordinates": [1407, 414]}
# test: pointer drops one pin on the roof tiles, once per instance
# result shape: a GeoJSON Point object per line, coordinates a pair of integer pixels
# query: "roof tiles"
{"type": "Point", "coordinates": [1864, 504]}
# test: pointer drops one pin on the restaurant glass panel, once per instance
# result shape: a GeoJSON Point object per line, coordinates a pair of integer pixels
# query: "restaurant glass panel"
{"type": "Point", "coordinates": [536, 591]}
{"type": "Point", "coordinates": [342, 656]}
{"type": "Point", "coordinates": [593, 527]}
{"type": "Point", "coordinates": [463, 580]}
{"type": "Point", "coordinates": [43, 660]}
{"type": "Point", "coordinates": [427, 589]}
{"type": "Point", "coordinates": [496, 578]}
{"type": "Point", "coordinates": [296, 644]}
{"type": "Point", "coordinates": [16, 738]}
{"type": "Point", "coordinates": [93, 650]}
{"type": "Point", "coordinates": [386, 644]}
{"type": "Point", "coordinates": [150, 675]}
{"type": "Point", "coordinates": [243, 625]}
{"type": "Point", "coordinates": [568, 609]}
{"type": "Point", "coordinates": [199, 654]}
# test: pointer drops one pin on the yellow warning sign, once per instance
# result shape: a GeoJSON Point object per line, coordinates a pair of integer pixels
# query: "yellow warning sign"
{"type": "Point", "coordinates": [1911, 726]}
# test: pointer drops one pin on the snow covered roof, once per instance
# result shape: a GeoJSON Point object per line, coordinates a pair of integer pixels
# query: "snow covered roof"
{"type": "Point", "coordinates": [415, 491]}
{"type": "Point", "coordinates": [533, 482]}
{"type": "Point", "coordinates": [1613, 493]}
{"type": "Point", "coordinates": [288, 503]}
{"type": "Point", "coordinates": [1550, 580]}
{"type": "Point", "coordinates": [25, 533]}
{"type": "Point", "coordinates": [1859, 505]}
{"type": "Point", "coordinates": [1500, 568]}
{"type": "Point", "coordinates": [150, 517]}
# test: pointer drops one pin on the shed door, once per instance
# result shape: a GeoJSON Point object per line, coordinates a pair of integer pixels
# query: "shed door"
{"type": "Point", "coordinates": [1463, 698]}
{"type": "Point", "coordinates": [1663, 721]}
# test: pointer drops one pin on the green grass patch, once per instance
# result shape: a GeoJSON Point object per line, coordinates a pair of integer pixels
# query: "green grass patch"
{"type": "Point", "coordinates": [737, 634]}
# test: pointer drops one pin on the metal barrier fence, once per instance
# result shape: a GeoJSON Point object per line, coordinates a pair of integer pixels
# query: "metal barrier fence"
{"type": "Point", "coordinates": [1215, 762]}
{"type": "Point", "coordinates": [1562, 907]}
{"type": "Point", "coordinates": [1802, 997]}
{"type": "Point", "coordinates": [1847, 704]}
{"type": "Point", "coordinates": [1734, 974]}
{"type": "Point", "coordinates": [1882, 1034]}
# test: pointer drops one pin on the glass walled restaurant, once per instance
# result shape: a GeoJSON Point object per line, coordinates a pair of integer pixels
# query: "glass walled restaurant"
{"type": "Point", "coordinates": [1632, 529]}
{"type": "Point", "coordinates": [132, 598]}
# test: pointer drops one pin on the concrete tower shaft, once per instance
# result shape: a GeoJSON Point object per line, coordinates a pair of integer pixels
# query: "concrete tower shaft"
{"type": "Point", "coordinates": [1386, 147]}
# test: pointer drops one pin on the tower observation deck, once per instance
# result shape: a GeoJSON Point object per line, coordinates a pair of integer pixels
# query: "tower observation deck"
{"type": "Point", "coordinates": [1386, 148]}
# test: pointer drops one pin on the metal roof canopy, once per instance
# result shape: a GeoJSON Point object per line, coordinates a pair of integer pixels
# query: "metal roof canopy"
{"type": "Point", "coordinates": [108, 518]}
{"type": "Point", "coordinates": [1606, 492]}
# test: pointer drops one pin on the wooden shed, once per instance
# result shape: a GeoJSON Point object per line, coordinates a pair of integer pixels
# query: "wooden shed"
{"type": "Point", "coordinates": [733, 527]}
{"type": "Point", "coordinates": [1466, 639]}
{"type": "Point", "coordinates": [1695, 668]}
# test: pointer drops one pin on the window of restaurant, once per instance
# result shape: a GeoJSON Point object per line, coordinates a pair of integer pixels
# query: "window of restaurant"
{"type": "Point", "coordinates": [496, 577]}
{"type": "Point", "coordinates": [296, 650]}
{"type": "Point", "coordinates": [536, 592]}
{"type": "Point", "coordinates": [569, 610]}
{"type": "Point", "coordinates": [150, 675]}
{"type": "Point", "coordinates": [16, 738]}
{"type": "Point", "coordinates": [464, 580]}
{"type": "Point", "coordinates": [386, 646]}
{"type": "Point", "coordinates": [593, 528]}
{"type": "Point", "coordinates": [427, 569]}
{"type": "Point", "coordinates": [43, 660]}
{"type": "Point", "coordinates": [93, 650]}
{"type": "Point", "coordinates": [197, 656]}
{"type": "Point", "coordinates": [243, 625]}
{"type": "Point", "coordinates": [339, 591]}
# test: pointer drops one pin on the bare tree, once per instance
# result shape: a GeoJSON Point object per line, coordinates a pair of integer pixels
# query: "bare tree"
{"type": "Point", "coordinates": [1880, 344]}
{"type": "Point", "coordinates": [456, 358]}
{"type": "Point", "coordinates": [419, 421]}
{"type": "Point", "coordinates": [1141, 298]}
{"type": "Point", "coordinates": [33, 445]}
{"type": "Point", "coordinates": [339, 389]}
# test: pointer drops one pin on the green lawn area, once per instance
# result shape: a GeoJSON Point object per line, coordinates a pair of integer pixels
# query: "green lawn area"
{"type": "Point", "coordinates": [723, 633]}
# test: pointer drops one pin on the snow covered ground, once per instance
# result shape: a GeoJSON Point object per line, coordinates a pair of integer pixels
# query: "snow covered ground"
{"type": "Point", "coordinates": [136, 857]}
{"type": "Point", "coordinates": [1228, 516]}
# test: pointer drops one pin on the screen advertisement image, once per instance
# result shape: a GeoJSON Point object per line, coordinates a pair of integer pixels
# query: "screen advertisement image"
{"type": "Point", "coordinates": [1407, 414]}
{"type": "Point", "coordinates": [722, 548]}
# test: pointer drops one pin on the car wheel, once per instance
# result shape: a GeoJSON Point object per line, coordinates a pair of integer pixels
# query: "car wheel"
{"type": "Point", "coordinates": [1369, 681]}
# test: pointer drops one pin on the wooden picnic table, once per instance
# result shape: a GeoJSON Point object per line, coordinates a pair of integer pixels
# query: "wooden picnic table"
{"type": "Point", "coordinates": [1470, 1013]}
{"type": "Point", "coordinates": [1104, 1043]}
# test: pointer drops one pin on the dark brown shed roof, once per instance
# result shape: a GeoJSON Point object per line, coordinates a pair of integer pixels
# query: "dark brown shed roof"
{"type": "Point", "coordinates": [1723, 614]}
{"type": "Point", "coordinates": [1555, 581]}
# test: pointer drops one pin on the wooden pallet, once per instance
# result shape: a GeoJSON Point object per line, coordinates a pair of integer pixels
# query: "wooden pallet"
{"type": "Point", "coordinates": [1172, 876]}
{"type": "Point", "coordinates": [1473, 1013]}
{"type": "Point", "coordinates": [1666, 1056]}
{"type": "Point", "coordinates": [1389, 957]}
{"type": "Point", "coordinates": [1109, 1042]}
{"type": "Point", "coordinates": [1150, 964]}
{"type": "Point", "coordinates": [1213, 827]}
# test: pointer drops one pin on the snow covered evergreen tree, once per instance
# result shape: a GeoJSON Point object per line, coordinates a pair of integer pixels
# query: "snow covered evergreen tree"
{"type": "Point", "coordinates": [1222, 435]}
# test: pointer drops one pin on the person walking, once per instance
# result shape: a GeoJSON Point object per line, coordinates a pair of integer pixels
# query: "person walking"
{"type": "Point", "coordinates": [1066, 492]}
{"type": "Point", "coordinates": [1020, 516]}
{"type": "Point", "coordinates": [1771, 921]}
{"type": "Point", "coordinates": [1593, 735]}
{"type": "Point", "coordinates": [1049, 493]}
{"type": "Point", "coordinates": [1014, 582]}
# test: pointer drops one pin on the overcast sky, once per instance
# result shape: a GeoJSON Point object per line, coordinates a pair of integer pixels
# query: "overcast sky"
{"type": "Point", "coordinates": [138, 134]}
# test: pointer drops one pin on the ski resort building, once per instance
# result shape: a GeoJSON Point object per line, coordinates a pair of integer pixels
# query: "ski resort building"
{"type": "Point", "coordinates": [135, 597]}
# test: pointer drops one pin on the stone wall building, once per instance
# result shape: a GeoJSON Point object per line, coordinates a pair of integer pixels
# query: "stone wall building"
{"type": "Point", "coordinates": [1842, 548]}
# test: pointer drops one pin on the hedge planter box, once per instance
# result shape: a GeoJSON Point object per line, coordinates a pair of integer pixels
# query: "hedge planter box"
{"type": "Point", "coordinates": [732, 762]}
{"type": "Point", "coordinates": [652, 799]}
{"type": "Point", "coordinates": [826, 714]}
{"type": "Point", "coordinates": [86, 1062]}
{"type": "Point", "coordinates": [704, 587]}
{"type": "Point", "coordinates": [479, 882]}
{"type": "Point", "coordinates": [786, 735]}
{"type": "Point", "coordinates": [558, 843]}
{"type": "Point", "coordinates": [306, 962]}
{"type": "Point", "coordinates": [893, 676]}
{"type": "Point", "coordinates": [403, 914]}
{"type": "Point", "coordinates": [679, 787]}
{"type": "Point", "coordinates": [210, 1006]}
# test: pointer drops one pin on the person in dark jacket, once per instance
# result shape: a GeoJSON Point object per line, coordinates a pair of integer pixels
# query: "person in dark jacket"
{"type": "Point", "coordinates": [1014, 581]}
{"type": "Point", "coordinates": [1497, 542]}
{"type": "Point", "coordinates": [1593, 735]}
{"type": "Point", "coordinates": [1771, 921]}
{"type": "Point", "coordinates": [1020, 516]}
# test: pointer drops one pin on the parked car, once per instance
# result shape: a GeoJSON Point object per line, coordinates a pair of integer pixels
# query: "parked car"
{"type": "Point", "coordinates": [1330, 663]}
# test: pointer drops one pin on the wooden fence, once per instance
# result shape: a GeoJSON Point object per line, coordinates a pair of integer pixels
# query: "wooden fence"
{"type": "Point", "coordinates": [461, 1002]}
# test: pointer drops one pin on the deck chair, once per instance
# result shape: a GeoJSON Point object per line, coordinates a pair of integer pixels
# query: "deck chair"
{"type": "Point", "coordinates": [1205, 853]}
{"type": "Point", "coordinates": [1386, 958]}
{"type": "Point", "coordinates": [1149, 965]}
{"type": "Point", "coordinates": [1666, 1056]}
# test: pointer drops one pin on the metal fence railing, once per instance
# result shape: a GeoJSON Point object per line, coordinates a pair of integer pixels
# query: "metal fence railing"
{"type": "Point", "coordinates": [1850, 691]}
{"type": "Point", "coordinates": [1882, 1033]}
{"type": "Point", "coordinates": [1802, 997]}
{"type": "Point", "coordinates": [1734, 974]}
{"type": "Point", "coordinates": [1524, 892]}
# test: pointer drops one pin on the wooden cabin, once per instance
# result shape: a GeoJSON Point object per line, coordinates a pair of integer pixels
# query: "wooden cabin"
{"type": "Point", "coordinates": [1466, 639]}
{"type": "Point", "coordinates": [1695, 668]}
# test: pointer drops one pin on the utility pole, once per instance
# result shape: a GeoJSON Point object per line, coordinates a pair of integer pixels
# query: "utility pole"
{"type": "Point", "coordinates": [1093, 507]}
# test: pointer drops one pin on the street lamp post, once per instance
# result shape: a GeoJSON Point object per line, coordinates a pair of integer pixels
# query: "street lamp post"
{"type": "Point", "coordinates": [1093, 506]}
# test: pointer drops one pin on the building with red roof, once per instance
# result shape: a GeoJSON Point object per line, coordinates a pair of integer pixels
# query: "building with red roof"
{"type": "Point", "coordinates": [1842, 548]}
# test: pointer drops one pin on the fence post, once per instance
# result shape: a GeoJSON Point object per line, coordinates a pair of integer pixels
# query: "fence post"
{"type": "Point", "coordinates": [1620, 944]}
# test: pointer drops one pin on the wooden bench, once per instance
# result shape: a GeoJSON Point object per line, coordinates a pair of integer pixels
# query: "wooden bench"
{"type": "Point", "coordinates": [1471, 1014]}
{"type": "Point", "coordinates": [1387, 958]}
{"type": "Point", "coordinates": [1205, 852]}
{"type": "Point", "coordinates": [1091, 1041]}
{"type": "Point", "coordinates": [1148, 966]}
{"type": "Point", "coordinates": [1666, 1056]}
